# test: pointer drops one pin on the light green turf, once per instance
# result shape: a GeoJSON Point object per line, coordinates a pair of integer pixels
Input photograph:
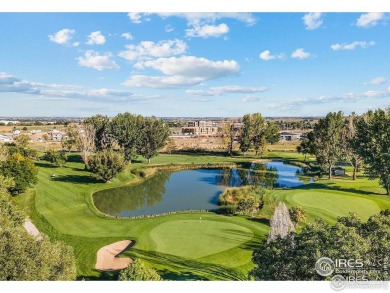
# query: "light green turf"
{"type": "Point", "coordinates": [333, 204]}
{"type": "Point", "coordinates": [196, 238]}
{"type": "Point", "coordinates": [63, 209]}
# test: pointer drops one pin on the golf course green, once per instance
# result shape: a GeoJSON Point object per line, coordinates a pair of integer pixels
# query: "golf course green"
{"type": "Point", "coordinates": [182, 246]}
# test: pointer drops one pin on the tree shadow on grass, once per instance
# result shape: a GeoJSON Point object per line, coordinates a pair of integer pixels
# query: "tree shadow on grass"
{"type": "Point", "coordinates": [77, 179]}
{"type": "Point", "coordinates": [179, 268]}
{"type": "Point", "coordinates": [74, 158]}
{"type": "Point", "coordinates": [333, 186]}
{"type": "Point", "coordinates": [45, 165]}
{"type": "Point", "coordinates": [259, 220]}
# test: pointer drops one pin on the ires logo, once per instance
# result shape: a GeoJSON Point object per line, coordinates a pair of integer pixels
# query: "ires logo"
{"type": "Point", "coordinates": [342, 263]}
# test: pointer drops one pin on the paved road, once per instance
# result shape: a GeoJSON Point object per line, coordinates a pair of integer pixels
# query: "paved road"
{"type": "Point", "coordinates": [31, 229]}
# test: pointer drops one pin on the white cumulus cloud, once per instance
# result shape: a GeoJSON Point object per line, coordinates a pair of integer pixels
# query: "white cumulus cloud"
{"type": "Point", "coordinates": [183, 71]}
{"type": "Point", "coordinates": [96, 38]}
{"type": "Point", "coordinates": [266, 55]}
{"type": "Point", "coordinates": [127, 36]}
{"type": "Point", "coordinates": [300, 54]}
{"type": "Point", "coordinates": [62, 37]}
{"type": "Point", "coordinates": [97, 61]}
{"type": "Point", "coordinates": [149, 49]}
{"type": "Point", "coordinates": [161, 81]}
{"type": "Point", "coordinates": [312, 20]}
{"type": "Point", "coordinates": [206, 31]}
{"type": "Point", "coordinates": [192, 66]}
{"type": "Point", "coordinates": [377, 80]}
{"type": "Point", "coordinates": [369, 19]}
{"type": "Point", "coordinates": [352, 46]}
{"type": "Point", "coordinates": [228, 89]}
{"type": "Point", "coordinates": [135, 17]}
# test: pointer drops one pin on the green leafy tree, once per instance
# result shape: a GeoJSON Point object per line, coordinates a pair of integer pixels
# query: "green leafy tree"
{"type": "Point", "coordinates": [45, 138]}
{"type": "Point", "coordinates": [86, 141]}
{"type": "Point", "coordinates": [25, 258]}
{"type": "Point", "coordinates": [350, 145]}
{"type": "Point", "coordinates": [102, 126]}
{"type": "Point", "coordinates": [71, 138]}
{"type": "Point", "coordinates": [327, 136]}
{"type": "Point", "coordinates": [272, 133]}
{"type": "Point", "coordinates": [5, 183]}
{"type": "Point", "coordinates": [297, 214]}
{"type": "Point", "coordinates": [137, 271]}
{"type": "Point", "coordinates": [22, 140]}
{"type": "Point", "coordinates": [293, 257]}
{"type": "Point", "coordinates": [106, 164]}
{"type": "Point", "coordinates": [153, 135]}
{"type": "Point", "coordinates": [10, 215]}
{"type": "Point", "coordinates": [258, 133]}
{"type": "Point", "coordinates": [22, 170]}
{"type": "Point", "coordinates": [57, 158]}
{"type": "Point", "coordinates": [245, 135]}
{"type": "Point", "coordinates": [229, 136]}
{"type": "Point", "coordinates": [307, 145]}
{"type": "Point", "coordinates": [372, 143]}
{"type": "Point", "coordinates": [248, 205]}
{"type": "Point", "coordinates": [126, 128]}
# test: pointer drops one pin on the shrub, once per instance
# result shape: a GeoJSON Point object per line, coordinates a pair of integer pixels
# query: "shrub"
{"type": "Point", "coordinates": [106, 164]}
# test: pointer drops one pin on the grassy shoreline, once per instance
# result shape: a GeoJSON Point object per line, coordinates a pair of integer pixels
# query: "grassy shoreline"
{"type": "Point", "coordinates": [63, 208]}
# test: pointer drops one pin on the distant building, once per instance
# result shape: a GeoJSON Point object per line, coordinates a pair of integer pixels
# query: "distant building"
{"type": "Point", "coordinates": [6, 138]}
{"type": "Point", "coordinates": [56, 135]}
{"type": "Point", "coordinates": [200, 128]}
{"type": "Point", "coordinates": [338, 171]}
{"type": "Point", "coordinates": [35, 131]}
{"type": "Point", "coordinates": [9, 122]}
{"type": "Point", "coordinates": [290, 136]}
{"type": "Point", "coordinates": [15, 132]}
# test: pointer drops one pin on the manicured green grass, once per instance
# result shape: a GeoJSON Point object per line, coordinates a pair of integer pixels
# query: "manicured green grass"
{"type": "Point", "coordinates": [198, 238]}
{"type": "Point", "coordinates": [179, 246]}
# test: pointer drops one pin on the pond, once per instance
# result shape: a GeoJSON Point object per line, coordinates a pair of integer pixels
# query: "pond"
{"type": "Point", "coordinates": [192, 189]}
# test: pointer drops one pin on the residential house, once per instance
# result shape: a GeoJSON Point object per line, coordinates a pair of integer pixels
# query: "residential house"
{"type": "Point", "coordinates": [290, 136]}
{"type": "Point", "coordinates": [6, 138]}
{"type": "Point", "coordinates": [200, 128]}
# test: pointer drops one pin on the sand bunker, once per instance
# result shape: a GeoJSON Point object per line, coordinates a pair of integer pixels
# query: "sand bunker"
{"type": "Point", "coordinates": [107, 256]}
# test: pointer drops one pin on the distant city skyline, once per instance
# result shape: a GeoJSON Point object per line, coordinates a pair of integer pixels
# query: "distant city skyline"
{"type": "Point", "coordinates": [193, 64]}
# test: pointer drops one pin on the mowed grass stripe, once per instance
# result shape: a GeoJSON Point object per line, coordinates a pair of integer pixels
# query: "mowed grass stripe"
{"type": "Point", "coordinates": [64, 210]}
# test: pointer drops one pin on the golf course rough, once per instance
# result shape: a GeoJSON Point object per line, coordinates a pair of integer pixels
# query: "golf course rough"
{"type": "Point", "coordinates": [180, 246]}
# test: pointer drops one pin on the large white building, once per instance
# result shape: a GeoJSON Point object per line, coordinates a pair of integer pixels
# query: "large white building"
{"type": "Point", "coordinates": [6, 138]}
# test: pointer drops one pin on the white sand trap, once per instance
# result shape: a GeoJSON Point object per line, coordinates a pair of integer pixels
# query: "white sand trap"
{"type": "Point", "coordinates": [32, 230]}
{"type": "Point", "coordinates": [107, 256]}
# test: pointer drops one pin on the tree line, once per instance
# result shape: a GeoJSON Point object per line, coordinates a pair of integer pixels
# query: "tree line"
{"type": "Point", "coordinates": [107, 145]}
{"type": "Point", "coordinates": [363, 141]}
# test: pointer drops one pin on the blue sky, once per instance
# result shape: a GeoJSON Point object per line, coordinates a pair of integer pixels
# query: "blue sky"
{"type": "Point", "coordinates": [193, 64]}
